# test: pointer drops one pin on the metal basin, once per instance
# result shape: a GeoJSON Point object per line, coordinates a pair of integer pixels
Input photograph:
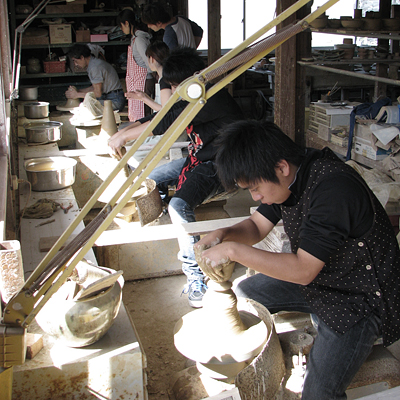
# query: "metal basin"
{"type": "Point", "coordinates": [43, 132]}
{"type": "Point", "coordinates": [36, 110]}
{"type": "Point", "coordinates": [79, 323]}
{"type": "Point", "coordinates": [28, 93]}
{"type": "Point", "coordinates": [50, 173]}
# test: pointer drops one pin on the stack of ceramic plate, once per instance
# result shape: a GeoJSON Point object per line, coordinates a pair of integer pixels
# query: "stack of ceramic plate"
{"type": "Point", "coordinates": [327, 55]}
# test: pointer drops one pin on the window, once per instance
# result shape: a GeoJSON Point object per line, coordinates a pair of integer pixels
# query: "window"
{"type": "Point", "coordinates": [239, 19]}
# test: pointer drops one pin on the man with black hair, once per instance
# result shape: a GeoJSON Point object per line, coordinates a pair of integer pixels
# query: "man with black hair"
{"type": "Point", "coordinates": [345, 262]}
{"type": "Point", "coordinates": [178, 30]}
{"type": "Point", "coordinates": [104, 78]}
{"type": "Point", "coordinates": [195, 176]}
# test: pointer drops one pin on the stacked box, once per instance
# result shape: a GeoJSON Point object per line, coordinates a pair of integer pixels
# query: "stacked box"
{"type": "Point", "coordinates": [364, 147]}
{"type": "Point", "coordinates": [99, 38]}
{"type": "Point", "coordinates": [72, 8]}
{"type": "Point", "coordinates": [60, 33]}
{"type": "Point", "coordinates": [325, 119]}
{"type": "Point", "coordinates": [82, 36]}
{"type": "Point", "coordinates": [324, 133]}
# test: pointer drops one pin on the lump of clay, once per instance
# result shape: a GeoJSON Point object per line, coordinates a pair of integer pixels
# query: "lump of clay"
{"type": "Point", "coordinates": [218, 273]}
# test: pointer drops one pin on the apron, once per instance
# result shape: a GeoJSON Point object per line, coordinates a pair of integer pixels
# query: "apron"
{"type": "Point", "coordinates": [135, 79]}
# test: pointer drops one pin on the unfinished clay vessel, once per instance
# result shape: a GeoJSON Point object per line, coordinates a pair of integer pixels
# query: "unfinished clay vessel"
{"type": "Point", "coordinates": [108, 124]}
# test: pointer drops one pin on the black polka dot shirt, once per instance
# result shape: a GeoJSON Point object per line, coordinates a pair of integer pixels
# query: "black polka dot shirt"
{"type": "Point", "coordinates": [362, 271]}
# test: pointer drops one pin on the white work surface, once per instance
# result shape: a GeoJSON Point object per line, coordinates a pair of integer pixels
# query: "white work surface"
{"type": "Point", "coordinates": [30, 231]}
{"type": "Point", "coordinates": [113, 367]}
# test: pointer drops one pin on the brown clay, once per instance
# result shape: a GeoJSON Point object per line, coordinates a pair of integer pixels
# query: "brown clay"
{"type": "Point", "coordinates": [230, 339]}
{"type": "Point", "coordinates": [108, 123]}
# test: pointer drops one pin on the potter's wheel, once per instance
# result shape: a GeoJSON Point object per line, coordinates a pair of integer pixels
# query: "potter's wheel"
{"type": "Point", "coordinates": [64, 108]}
{"type": "Point", "coordinates": [231, 338]}
{"type": "Point", "coordinates": [69, 105]}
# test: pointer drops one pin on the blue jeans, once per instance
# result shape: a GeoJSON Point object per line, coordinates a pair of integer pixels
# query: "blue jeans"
{"type": "Point", "coordinates": [117, 99]}
{"type": "Point", "coordinates": [334, 358]}
{"type": "Point", "coordinates": [201, 183]}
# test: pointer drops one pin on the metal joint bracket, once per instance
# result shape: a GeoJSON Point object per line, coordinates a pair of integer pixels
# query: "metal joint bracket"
{"type": "Point", "coordinates": [12, 345]}
{"type": "Point", "coordinates": [193, 89]}
{"type": "Point", "coordinates": [305, 25]}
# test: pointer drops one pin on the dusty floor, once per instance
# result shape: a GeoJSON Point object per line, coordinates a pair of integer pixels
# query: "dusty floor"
{"type": "Point", "coordinates": [155, 305]}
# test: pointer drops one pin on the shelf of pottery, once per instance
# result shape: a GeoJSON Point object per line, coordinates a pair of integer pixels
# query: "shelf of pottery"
{"type": "Point", "coordinates": [362, 60]}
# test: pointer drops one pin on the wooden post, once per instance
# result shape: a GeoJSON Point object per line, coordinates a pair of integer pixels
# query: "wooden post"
{"type": "Point", "coordinates": [290, 78]}
{"type": "Point", "coordinates": [380, 90]}
{"type": "Point", "coordinates": [182, 7]}
{"type": "Point", "coordinates": [214, 30]}
{"type": "Point", "coordinates": [6, 60]}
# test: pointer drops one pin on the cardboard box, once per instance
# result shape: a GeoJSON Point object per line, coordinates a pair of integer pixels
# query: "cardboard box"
{"type": "Point", "coordinates": [71, 8]}
{"type": "Point", "coordinates": [363, 131]}
{"type": "Point", "coordinates": [60, 33]}
{"type": "Point", "coordinates": [363, 147]}
{"type": "Point", "coordinates": [82, 35]}
{"type": "Point", "coordinates": [324, 132]}
{"type": "Point", "coordinates": [99, 38]}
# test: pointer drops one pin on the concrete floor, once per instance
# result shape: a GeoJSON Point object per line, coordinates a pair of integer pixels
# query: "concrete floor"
{"type": "Point", "coordinates": [155, 306]}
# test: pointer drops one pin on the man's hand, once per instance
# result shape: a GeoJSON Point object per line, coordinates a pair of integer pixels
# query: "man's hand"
{"type": "Point", "coordinates": [214, 261]}
{"type": "Point", "coordinates": [116, 143]}
{"type": "Point", "coordinates": [211, 239]}
{"type": "Point", "coordinates": [71, 93]}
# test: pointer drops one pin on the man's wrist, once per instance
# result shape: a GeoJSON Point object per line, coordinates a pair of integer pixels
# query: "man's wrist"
{"type": "Point", "coordinates": [123, 139]}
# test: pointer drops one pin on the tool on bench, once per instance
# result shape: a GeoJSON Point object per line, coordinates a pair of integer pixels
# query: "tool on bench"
{"type": "Point", "coordinates": [334, 89]}
{"type": "Point", "coordinates": [66, 208]}
{"type": "Point", "coordinates": [49, 221]}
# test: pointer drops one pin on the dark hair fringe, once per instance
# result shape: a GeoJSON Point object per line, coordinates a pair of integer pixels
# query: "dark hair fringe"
{"type": "Point", "coordinates": [158, 50]}
{"type": "Point", "coordinates": [153, 13]}
{"type": "Point", "coordinates": [78, 50]}
{"type": "Point", "coordinates": [129, 16]}
{"type": "Point", "coordinates": [249, 151]}
{"type": "Point", "coordinates": [182, 63]}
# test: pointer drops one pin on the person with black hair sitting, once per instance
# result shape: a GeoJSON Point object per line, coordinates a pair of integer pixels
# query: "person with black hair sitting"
{"type": "Point", "coordinates": [102, 75]}
{"type": "Point", "coordinates": [344, 267]}
{"type": "Point", "coordinates": [195, 176]}
{"type": "Point", "coordinates": [156, 53]}
{"type": "Point", "coordinates": [178, 30]}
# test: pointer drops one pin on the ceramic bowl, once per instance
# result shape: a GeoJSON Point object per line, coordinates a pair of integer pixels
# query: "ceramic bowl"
{"type": "Point", "coordinates": [319, 23]}
{"type": "Point", "coordinates": [352, 23]}
{"type": "Point", "coordinates": [334, 23]}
